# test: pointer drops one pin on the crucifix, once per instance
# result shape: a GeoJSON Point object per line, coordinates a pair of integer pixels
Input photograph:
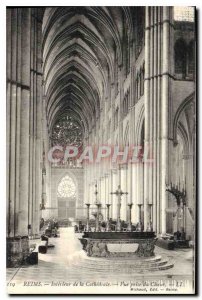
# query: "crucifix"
{"type": "Point", "coordinates": [96, 193]}
{"type": "Point", "coordinates": [118, 193]}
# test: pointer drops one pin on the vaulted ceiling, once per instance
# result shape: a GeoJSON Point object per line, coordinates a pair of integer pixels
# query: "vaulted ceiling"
{"type": "Point", "coordinates": [79, 49]}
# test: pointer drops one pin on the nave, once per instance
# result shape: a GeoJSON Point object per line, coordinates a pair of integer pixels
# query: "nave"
{"type": "Point", "coordinates": [67, 263]}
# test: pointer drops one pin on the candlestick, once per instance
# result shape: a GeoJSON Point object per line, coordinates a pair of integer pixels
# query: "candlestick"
{"type": "Point", "coordinates": [139, 227]}
{"type": "Point", "coordinates": [108, 206]}
{"type": "Point", "coordinates": [150, 227]}
{"type": "Point", "coordinates": [130, 223]}
{"type": "Point", "coordinates": [87, 217]}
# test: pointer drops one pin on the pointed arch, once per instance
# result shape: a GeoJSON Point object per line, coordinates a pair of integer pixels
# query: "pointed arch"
{"type": "Point", "coordinates": [179, 111]}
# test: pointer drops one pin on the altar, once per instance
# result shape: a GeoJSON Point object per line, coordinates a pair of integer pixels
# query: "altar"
{"type": "Point", "coordinates": [96, 244]}
{"type": "Point", "coordinates": [96, 240]}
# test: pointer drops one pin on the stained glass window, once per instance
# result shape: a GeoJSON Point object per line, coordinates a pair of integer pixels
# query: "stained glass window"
{"type": "Point", "coordinates": [67, 131]}
{"type": "Point", "coordinates": [66, 188]}
{"type": "Point", "coordinates": [184, 13]}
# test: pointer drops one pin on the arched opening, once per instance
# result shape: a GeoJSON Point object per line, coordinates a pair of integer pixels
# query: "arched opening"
{"type": "Point", "coordinates": [66, 196]}
{"type": "Point", "coordinates": [180, 57]}
{"type": "Point", "coordinates": [191, 58]}
{"type": "Point", "coordinates": [182, 175]}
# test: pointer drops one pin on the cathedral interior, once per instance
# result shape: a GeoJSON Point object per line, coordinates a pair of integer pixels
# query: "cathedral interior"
{"type": "Point", "coordinates": [84, 85]}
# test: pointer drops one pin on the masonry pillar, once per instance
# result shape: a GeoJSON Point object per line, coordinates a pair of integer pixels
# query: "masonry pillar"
{"type": "Point", "coordinates": [113, 197]}
{"type": "Point", "coordinates": [165, 113]}
{"type": "Point", "coordinates": [24, 126]}
{"type": "Point", "coordinates": [11, 109]}
{"type": "Point", "coordinates": [39, 109]}
{"type": "Point", "coordinates": [147, 111]}
{"type": "Point", "coordinates": [157, 111]}
{"type": "Point", "coordinates": [134, 198]}
{"type": "Point", "coordinates": [124, 189]}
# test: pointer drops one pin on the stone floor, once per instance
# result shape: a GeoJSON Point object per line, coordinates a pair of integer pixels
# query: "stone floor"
{"type": "Point", "coordinates": [66, 269]}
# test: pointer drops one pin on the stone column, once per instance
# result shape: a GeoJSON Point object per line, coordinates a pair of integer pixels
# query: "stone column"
{"type": "Point", "coordinates": [113, 197]}
{"type": "Point", "coordinates": [147, 109]}
{"type": "Point", "coordinates": [129, 186]}
{"type": "Point", "coordinates": [8, 114]}
{"type": "Point", "coordinates": [18, 99]}
{"type": "Point", "coordinates": [32, 116]}
{"type": "Point", "coordinates": [141, 190]}
{"type": "Point", "coordinates": [155, 119]}
{"type": "Point", "coordinates": [118, 223]}
{"type": "Point", "coordinates": [107, 188]}
{"type": "Point", "coordinates": [110, 190]}
{"type": "Point", "coordinates": [39, 108]}
{"type": "Point", "coordinates": [11, 96]}
{"type": "Point", "coordinates": [152, 114]}
{"type": "Point", "coordinates": [165, 115]}
{"type": "Point", "coordinates": [135, 197]}
{"type": "Point", "coordinates": [157, 110]}
{"type": "Point", "coordinates": [24, 126]}
{"type": "Point", "coordinates": [124, 189]}
{"type": "Point", "coordinates": [18, 108]}
{"type": "Point", "coordinates": [106, 195]}
{"type": "Point", "coordinates": [158, 143]}
{"type": "Point", "coordinates": [86, 185]}
{"type": "Point", "coordinates": [102, 193]}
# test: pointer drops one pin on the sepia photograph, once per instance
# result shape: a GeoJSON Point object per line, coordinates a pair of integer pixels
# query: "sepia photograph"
{"type": "Point", "coordinates": [101, 144]}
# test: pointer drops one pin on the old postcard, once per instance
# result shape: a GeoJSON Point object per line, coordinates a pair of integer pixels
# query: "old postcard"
{"type": "Point", "coordinates": [101, 150]}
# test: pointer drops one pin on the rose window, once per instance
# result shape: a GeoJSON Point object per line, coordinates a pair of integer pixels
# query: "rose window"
{"type": "Point", "coordinates": [66, 188]}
